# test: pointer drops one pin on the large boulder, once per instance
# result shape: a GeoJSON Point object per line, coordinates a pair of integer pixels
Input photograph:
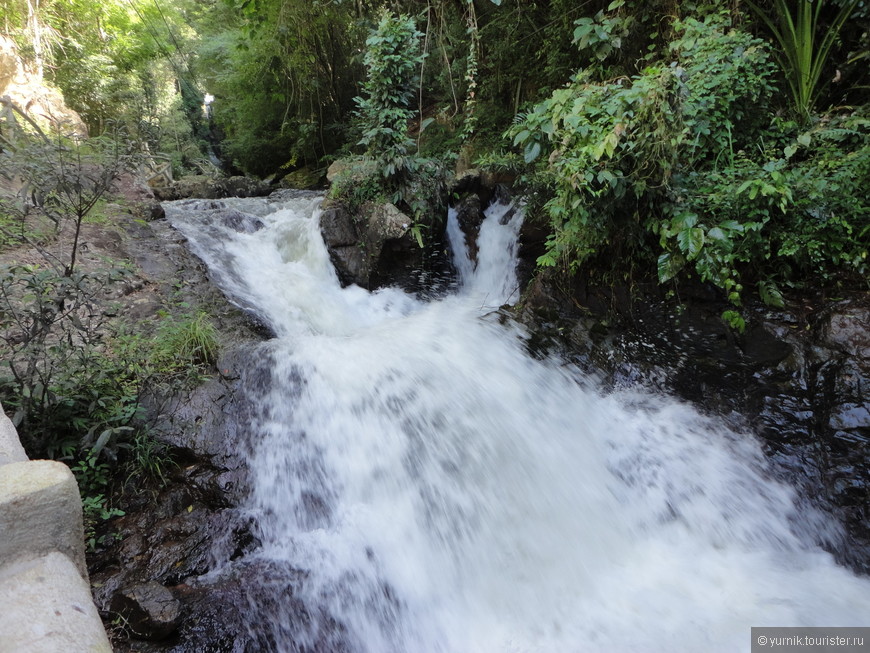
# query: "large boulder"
{"type": "Point", "coordinates": [342, 238]}
{"type": "Point", "coordinates": [363, 249]}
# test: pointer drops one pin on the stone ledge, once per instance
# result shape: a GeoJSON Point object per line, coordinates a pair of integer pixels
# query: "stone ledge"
{"type": "Point", "coordinates": [40, 512]}
{"type": "Point", "coordinates": [11, 450]}
{"type": "Point", "coordinates": [45, 597]}
{"type": "Point", "coordinates": [46, 607]}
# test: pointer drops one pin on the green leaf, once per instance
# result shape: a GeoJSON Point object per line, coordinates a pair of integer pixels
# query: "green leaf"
{"type": "Point", "coordinates": [732, 225]}
{"type": "Point", "coordinates": [669, 266]}
{"type": "Point", "coordinates": [606, 176]}
{"type": "Point", "coordinates": [532, 151]}
{"type": "Point", "coordinates": [691, 241]}
{"type": "Point", "coordinates": [522, 136]}
{"type": "Point", "coordinates": [100, 443]}
{"type": "Point", "coordinates": [804, 139]}
{"type": "Point", "coordinates": [717, 234]}
{"type": "Point", "coordinates": [734, 320]}
{"type": "Point", "coordinates": [770, 294]}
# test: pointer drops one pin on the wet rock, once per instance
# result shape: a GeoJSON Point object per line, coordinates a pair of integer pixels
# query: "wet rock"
{"type": "Point", "coordinates": [385, 222]}
{"type": "Point", "coordinates": [338, 227]}
{"type": "Point", "coordinates": [154, 211]}
{"type": "Point", "coordinates": [218, 614]}
{"type": "Point", "coordinates": [241, 222]}
{"type": "Point", "coordinates": [241, 187]}
{"type": "Point", "coordinates": [148, 610]}
{"type": "Point", "coordinates": [302, 178]}
{"type": "Point", "coordinates": [205, 187]}
{"type": "Point", "coordinates": [368, 250]}
{"type": "Point", "coordinates": [345, 246]}
{"type": "Point", "coordinates": [850, 416]}
{"type": "Point", "coordinates": [469, 214]}
{"type": "Point", "coordinates": [848, 330]}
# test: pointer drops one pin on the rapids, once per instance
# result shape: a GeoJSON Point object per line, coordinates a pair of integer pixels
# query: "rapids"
{"type": "Point", "coordinates": [440, 490]}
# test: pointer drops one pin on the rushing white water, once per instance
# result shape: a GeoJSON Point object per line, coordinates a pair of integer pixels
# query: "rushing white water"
{"type": "Point", "coordinates": [445, 492]}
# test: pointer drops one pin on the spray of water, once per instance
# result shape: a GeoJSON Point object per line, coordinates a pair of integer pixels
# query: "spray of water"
{"type": "Point", "coordinates": [442, 491]}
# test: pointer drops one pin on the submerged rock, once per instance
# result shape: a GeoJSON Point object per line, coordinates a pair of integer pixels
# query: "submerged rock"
{"type": "Point", "coordinates": [239, 221]}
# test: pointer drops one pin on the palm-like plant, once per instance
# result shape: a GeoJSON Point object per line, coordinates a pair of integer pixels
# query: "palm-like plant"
{"type": "Point", "coordinates": [805, 48]}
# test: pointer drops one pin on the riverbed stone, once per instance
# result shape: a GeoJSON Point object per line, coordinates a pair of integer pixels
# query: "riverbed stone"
{"type": "Point", "coordinates": [386, 222]}
{"type": "Point", "coordinates": [469, 215]}
{"type": "Point", "coordinates": [148, 610]}
{"type": "Point", "coordinates": [206, 187]}
{"type": "Point", "coordinates": [239, 221]}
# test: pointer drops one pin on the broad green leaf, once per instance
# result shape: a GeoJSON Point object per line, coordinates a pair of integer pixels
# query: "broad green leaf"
{"type": "Point", "coordinates": [669, 266]}
{"type": "Point", "coordinates": [734, 320]}
{"type": "Point", "coordinates": [522, 136]}
{"type": "Point", "coordinates": [717, 234]}
{"type": "Point", "coordinates": [691, 241]}
{"type": "Point", "coordinates": [732, 225]}
{"type": "Point", "coordinates": [532, 151]}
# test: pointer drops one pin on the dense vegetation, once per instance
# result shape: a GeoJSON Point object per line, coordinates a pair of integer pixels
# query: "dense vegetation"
{"type": "Point", "coordinates": [722, 142]}
{"type": "Point", "coordinates": [727, 141]}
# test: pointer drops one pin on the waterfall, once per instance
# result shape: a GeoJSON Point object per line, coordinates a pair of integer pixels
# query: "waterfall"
{"type": "Point", "coordinates": [425, 485]}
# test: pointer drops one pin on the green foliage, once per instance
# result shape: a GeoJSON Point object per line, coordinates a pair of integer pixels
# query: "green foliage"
{"type": "Point", "coordinates": [75, 380]}
{"type": "Point", "coordinates": [680, 166]}
{"type": "Point", "coordinates": [284, 74]}
{"type": "Point", "coordinates": [93, 478]}
{"type": "Point", "coordinates": [603, 34]}
{"type": "Point", "coordinates": [61, 179]}
{"type": "Point", "coordinates": [65, 389]}
{"type": "Point", "coordinates": [392, 59]}
{"type": "Point", "coordinates": [149, 459]}
{"type": "Point", "coordinates": [359, 183]}
{"type": "Point", "coordinates": [805, 43]}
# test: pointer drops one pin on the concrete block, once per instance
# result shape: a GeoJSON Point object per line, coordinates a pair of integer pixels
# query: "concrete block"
{"type": "Point", "coordinates": [46, 607]}
{"type": "Point", "coordinates": [11, 450]}
{"type": "Point", "coordinates": [40, 512]}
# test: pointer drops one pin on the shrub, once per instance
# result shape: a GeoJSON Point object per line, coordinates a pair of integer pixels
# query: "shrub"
{"type": "Point", "coordinates": [679, 167]}
{"type": "Point", "coordinates": [393, 56]}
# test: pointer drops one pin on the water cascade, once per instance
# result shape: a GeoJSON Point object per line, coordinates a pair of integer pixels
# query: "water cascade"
{"type": "Point", "coordinates": [428, 486]}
